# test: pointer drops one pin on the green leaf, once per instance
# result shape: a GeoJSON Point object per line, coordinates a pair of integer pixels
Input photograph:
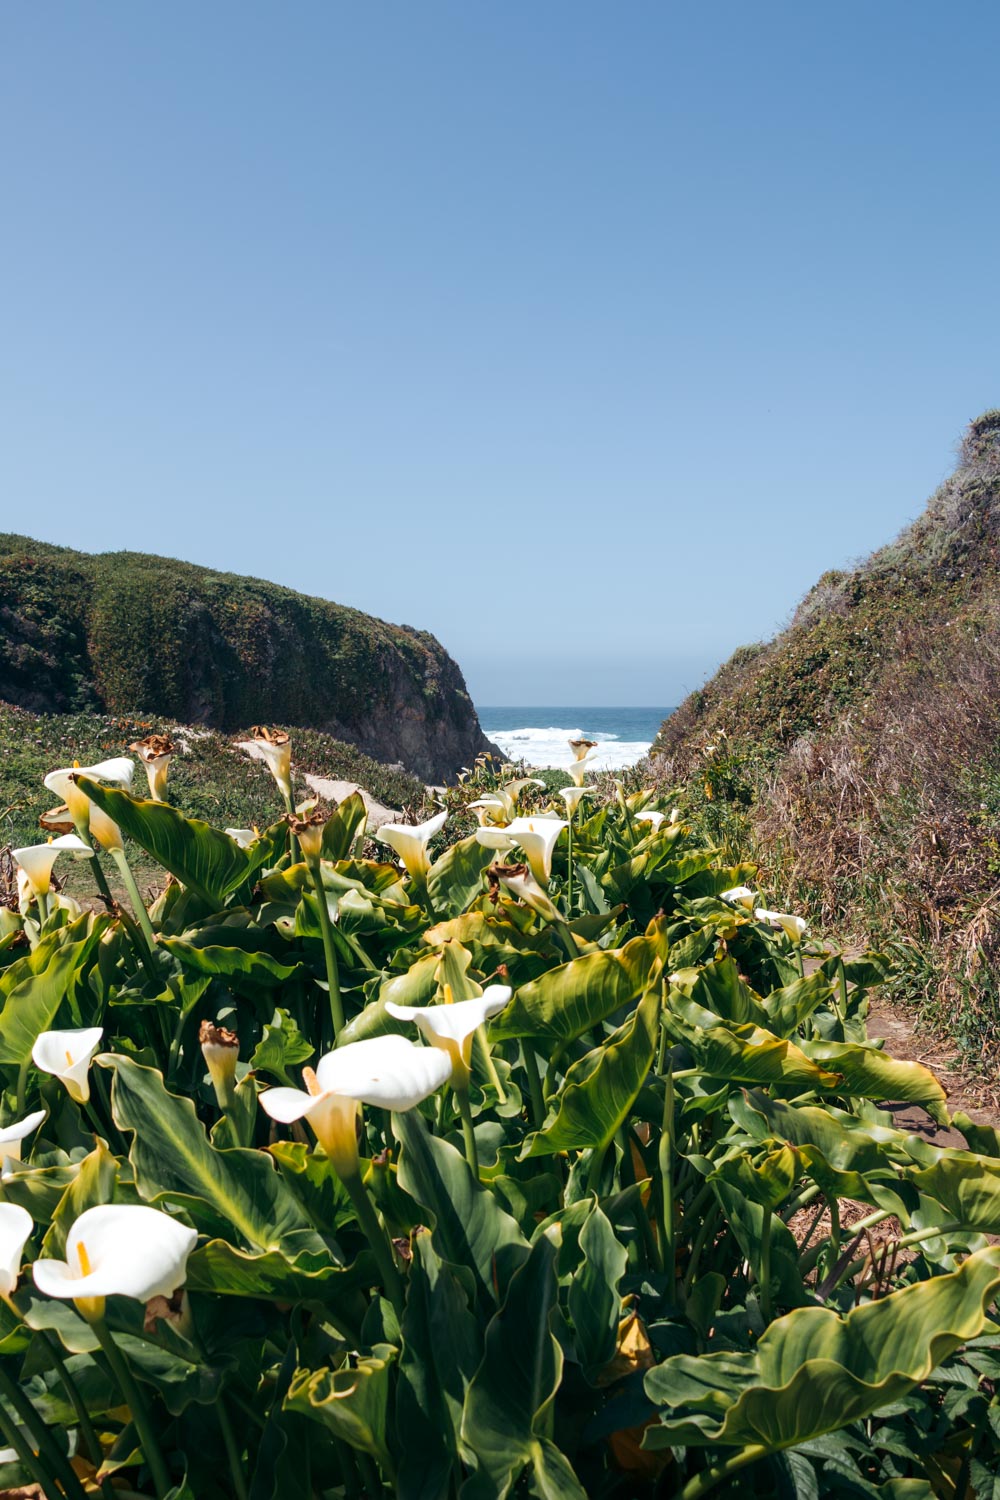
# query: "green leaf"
{"type": "Point", "coordinates": [351, 1402]}
{"type": "Point", "coordinates": [227, 963]}
{"type": "Point", "coordinates": [745, 1219]}
{"type": "Point", "coordinates": [456, 877]}
{"type": "Point", "coordinates": [203, 858]}
{"type": "Point", "coordinates": [594, 1302]}
{"type": "Point", "coordinates": [868, 1073]}
{"type": "Point", "coordinates": [750, 1054]}
{"type": "Point", "coordinates": [506, 1419]}
{"type": "Point", "coordinates": [469, 1227]}
{"type": "Point", "coordinates": [172, 1157]}
{"type": "Point", "coordinates": [600, 1089]}
{"type": "Point", "coordinates": [37, 985]}
{"type": "Point", "coordinates": [281, 1047]}
{"type": "Point", "coordinates": [343, 826]}
{"type": "Point", "coordinates": [220, 1268]}
{"type": "Point", "coordinates": [814, 1372]}
{"type": "Point", "coordinates": [564, 1003]}
{"type": "Point", "coordinates": [94, 1184]}
{"type": "Point", "coordinates": [968, 1186]}
{"type": "Point", "coordinates": [442, 1348]}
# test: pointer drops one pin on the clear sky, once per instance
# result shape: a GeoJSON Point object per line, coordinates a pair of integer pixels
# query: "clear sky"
{"type": "Point", "coordinates": [585, 335]}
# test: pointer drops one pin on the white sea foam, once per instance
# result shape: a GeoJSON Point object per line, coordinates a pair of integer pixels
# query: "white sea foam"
{"type": "Point", "coordinates": [548, 747]}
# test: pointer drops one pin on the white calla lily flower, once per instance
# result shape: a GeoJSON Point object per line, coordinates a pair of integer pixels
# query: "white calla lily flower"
{"type": "Point", "coordinates": [739, 895]}
{"type": "Point", "coordinates": [37, 860]}
{"type": "Point", "coordinates": [243, 836]}
{"type": "Point", "coordinates": [119, 771]}
{"type": "Point", "coordinates": [578, 770]}
{"type": "Point", "coordinates": [68, 1054]}
{"type": "Point", "coordinates": [675, 815]}
{"type": "Point", "coordinates": [275, 748]}
{"type": "Point", "coordinates": [105, 830]}
{"type": "Point", "coordinates": [451, 1028]}
{"type": "Point", "coordinates": [155, 752]}
{"type": "Point", "coordinates": [581, 748]}
{"type": "Point", "coordinates": [410, 842]}
{"type": "Point", "coordinates": [537, 837]}
{"type": "Point", "coordinates": [15, 1228]}
{"type": "Point", "coordinates": [494, 838]}
{"type": "Point", "coordinates": [656, 819]}
{"type": "Point", "coordinates": [489, 810]}
{"type": "Point", "coordinates": [794, 928]}
{"type": "Point", "coordinates": [524, 887]}
{"type": "Point", "coordinates": [573, 796]}
{"type": "Point", "coordinates": [12, 1138]}
{"type": "Point", "coordinates": [118, 1250]}
{"type": "Point", "coordinates": [387, 1071]}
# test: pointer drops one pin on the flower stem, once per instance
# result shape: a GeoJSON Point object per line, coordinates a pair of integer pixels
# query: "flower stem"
{"type": "Point", "coordinates": [376, 1237]}
{"type": "Point", "coordinates": [665, 1162]}
{"type": "Point", "coordinates": [137, 1406]}
{"type": "Point", "coordinates": [569, 866]}
{"type": "Point", "coordinates": [14, 1438]}
{"type": "Point", "coordinates": [329, 949]}
{"type": "Point", "coordinates": [43, 908]}
{"type": "Point", "coordinates": [49, 1451]}
{"type": "Point", "coordinates": [534, 1084]}
{"type": "Point", "coordinates": [491, 1067]}
{"type": "Point", "coordinates": [233, 1451]}
{"type": "Point", "coordinates": [709, 1478]}
{"type": "Point", "coordinates": [469, 1134]}
{"type": "Point", "coordinates": [138, 906]}
{"type": "Point", "coordinates": [79, 1406]}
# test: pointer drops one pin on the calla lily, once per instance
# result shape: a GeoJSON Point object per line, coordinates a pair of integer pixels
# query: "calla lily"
{"type": "Point", "coordinates": [410, 842]}
{"type": "Point", "coordinates": [489, 810]}
{"type": "Point", "coordinates": [739, 895]}
{"type": "Point", "coordinates": [155, 752]}
{"type": "Point", "coordinates": [537, 837]}
{"type": "Point", "coordinates": [655, 818]}
{"type": "Point", "coordinates": [119, 1250]}
{"type": "Point", "coordinates": [794, 928]}
{"type": "Point", "coordinates": [504, 799]}
{"type": "Point", "coordinates": [675, 815]}
{"type": "Point", "coordinates": [581, 748]}
{"type": "Point", "coordinates": [521, 884]}
{"type": "Point", "coordinates": [276, 749]}
{"type": "Point", "coordinates": [385, 1070]}
{"type": "Point", "coordinates": [12, 1136]}
{"type": "Point", "coordinates": [37, 860]}
{"type": "Point", "coordinates": [573, 796]}
{"type": "Point", "coordinates": [220, 1048]}
{"type": "Point", "coordinates": [451, 1028]}
{"type": "Point", "coordinates": [15, 1227]}
{"type": "Point", "coordinates": [494, 838]}
{"type": "Point", "coordinates": [119, 770]}
{"type": "Point", "coordinates": [68, 1054]}
{"type": "Point", "coordinates": [105, 830]}
{"type": "Point", "coordinates": [243, 836]}
{"type": "Point", "coordinates": [578, 770]}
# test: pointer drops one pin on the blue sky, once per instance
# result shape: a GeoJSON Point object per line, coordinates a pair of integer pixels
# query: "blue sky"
{"type": "Point", "coordinates": [583, 335]}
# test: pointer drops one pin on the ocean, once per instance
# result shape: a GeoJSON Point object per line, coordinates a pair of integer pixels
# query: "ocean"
{"type": "Point", "coordinates": [539, 735]}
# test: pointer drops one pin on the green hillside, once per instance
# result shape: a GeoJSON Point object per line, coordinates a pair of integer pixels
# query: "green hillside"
{"type": "Point", "coordinates": [858, 753]}
{"type": "Point", "coordinates": [127, 633]}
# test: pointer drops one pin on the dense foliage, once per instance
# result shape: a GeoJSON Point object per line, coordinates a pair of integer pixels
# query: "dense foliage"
{"type": "Point", "coordinates": [559, 1253]}
{"type": "Point", "coordinates": [132, 634]}
{"type": "Point", "coordinates": [858, 753]}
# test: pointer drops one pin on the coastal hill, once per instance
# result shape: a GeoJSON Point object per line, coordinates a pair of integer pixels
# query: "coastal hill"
{"type": "Point", "coordinates": [861, 746]}
{"type": "Point", "coordinates": [128, 633]}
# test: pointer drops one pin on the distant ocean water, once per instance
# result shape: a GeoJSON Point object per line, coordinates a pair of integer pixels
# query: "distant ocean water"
{"type": "Point", "coordinates": [539, 735]}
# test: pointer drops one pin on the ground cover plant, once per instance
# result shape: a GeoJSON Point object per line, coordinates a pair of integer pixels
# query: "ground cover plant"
{"type": "Point", "coordinates": [858, 753]}
{"type": "Point", "coordinates": [467, 1170]}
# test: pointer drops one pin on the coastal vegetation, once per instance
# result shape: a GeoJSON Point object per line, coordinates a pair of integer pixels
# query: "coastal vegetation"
{"type": "Point", "coordinates": [857, 755]}
{"type": "Point", "coordinates": [125, 633]}
{"type": "Point", "coordinates": [541, 1160]}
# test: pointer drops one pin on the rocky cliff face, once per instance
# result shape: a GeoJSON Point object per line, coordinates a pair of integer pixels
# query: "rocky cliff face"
{"type": "Point", "coordinates": [131, 633]}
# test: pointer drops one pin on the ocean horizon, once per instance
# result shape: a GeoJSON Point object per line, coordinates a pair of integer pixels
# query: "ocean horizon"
{"type": "Point", "coordinates": [539, 735]}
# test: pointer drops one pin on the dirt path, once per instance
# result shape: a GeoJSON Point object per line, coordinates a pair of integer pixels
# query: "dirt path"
{"type": "Point", "coordinates": [895, 1026]}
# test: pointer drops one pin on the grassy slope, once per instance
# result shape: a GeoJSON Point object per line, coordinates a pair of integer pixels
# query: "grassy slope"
{"type": "Point", "coordinates": [211, 780]}
{"type": "Point", "coordinates": [858, 753]}
{"type": "Point", "coordinates": [129, 633]}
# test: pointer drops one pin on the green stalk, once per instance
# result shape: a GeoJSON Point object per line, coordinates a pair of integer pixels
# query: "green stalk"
{"type": "Point", "coordinates": [569, 863]}
{"type": "Point", "coordinates": [665, 1162]}
{"type": "Point", "coordinates": [232, 1449]}
{"type": "Point", "coordinates": [14, 1439]}
{"type": "Point", "coordinates": [802, 962]}
{"type": "Point", "coordinates": [491, 1067]}
{"type": "Point", "coordinates": [594, 1170]}
{"type": "Point", "coordinates": [534, 1084]}
{"type": "Point", "coordinates": [49, 1451]}
{"type": "Point", "coordinates": [79, 1406]}
{"type": "Point", "coordinates": [764, 1285]}
{"type": "Point", "coordinates": [294, 854]}
{"type": "Point", "coordinates": [377, 1238]}
{"type": "Point", "coordinates": [138, 906]}
{"type": "Point", "coordinates": [42, 900]}
{"type": "Point", "coordinates": [22, 1087]}
{"type": "Point", "coordinates": [713, 1476]}
{"type": "Point", "coordinates": [329, 950]}
{"type": "Point", "coordinates": [136, 1403]}
{"type": "Point", "coordinates": [100, 879]}
{"type": "Point", "coordinates": [468, 1133]}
